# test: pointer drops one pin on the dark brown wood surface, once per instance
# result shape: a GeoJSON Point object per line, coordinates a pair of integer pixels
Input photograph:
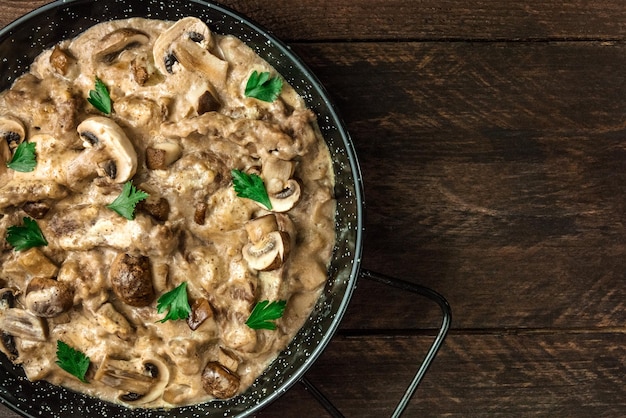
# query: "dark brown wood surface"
{"type": "Point", "coordinates": [492, 139]}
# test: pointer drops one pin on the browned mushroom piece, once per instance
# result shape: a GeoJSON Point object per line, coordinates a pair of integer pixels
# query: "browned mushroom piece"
{"type": "Point", "coordinates": [162, 155]}
{"type": "Point", "coordinates": [47, 298]}
{"type": "Point", "coordinates": [131, 279]}
{"type": "Point", "coordinates": [60, 60]}
{"type": "Point", "coordinates": [200, 311]}
{"type": "Point", "coordinates": [159, 209]}
{"type": "Point", "coordinates": [219, 382]}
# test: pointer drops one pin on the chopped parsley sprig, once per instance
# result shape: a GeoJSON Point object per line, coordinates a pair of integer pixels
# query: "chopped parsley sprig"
{"type": "Point", "coordinates": [100, 98]}
{"type": "Point", "coordinates": [263, 87]}
{"type": "Point", "coordinates": [24, 159]}
{"type": "Point", "coordinates": [264, 313]}
{"type": "Point", "coordinates": [125, 203]}
{"type": "Point", "coordinates": [72, 361]}
{"type": "Point", "coordinates": [175, 302]}
{"type": "Point", "coordinates": [27, 236]}
{"type": "Point", "coordinates": [251, 186]}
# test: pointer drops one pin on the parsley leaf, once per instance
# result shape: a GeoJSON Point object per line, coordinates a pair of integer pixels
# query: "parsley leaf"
{"type": "Point", "coordinates": [100, 98]}
{"type": "Point", "coordinates": [264, 313]}
{"type": "Point", "coordinates": [175, 302]}
{"type": "Point", "coordinates": [251, 187]}
{"type": "Point", "coordinates": [24, 159]}
{"type": "Point", "coordinates": [27, 236]}
{"type": "Point", "coordinates": [125, 203]}
{"type": "Point", "coordinates": [262, 87]}
{"type": "Point", "coordinates": [72, 361]}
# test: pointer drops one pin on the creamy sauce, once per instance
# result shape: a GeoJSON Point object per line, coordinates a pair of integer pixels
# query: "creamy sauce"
{"type": "Point", "coordinates": [180, 124]}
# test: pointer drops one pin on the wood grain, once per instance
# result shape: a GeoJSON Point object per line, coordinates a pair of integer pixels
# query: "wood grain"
{"type": "Point", "coordinates": [392, 20]}
{"type": "Point", "coordinates": [478, 375]}
{"type": "Point", "coordinates": [504, 194]}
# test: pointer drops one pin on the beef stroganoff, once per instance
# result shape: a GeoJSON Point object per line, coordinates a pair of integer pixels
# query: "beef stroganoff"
{"type": "Point", "coordinates": [167, 214]}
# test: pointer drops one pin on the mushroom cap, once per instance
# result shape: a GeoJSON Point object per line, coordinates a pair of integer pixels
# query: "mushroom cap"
{"type": "Point", "coordinates": [131, 279]}
{"type": "Point", "coordinates": [283, 191]}
{"type": "Point", "coordinates": [47, 298]}
{"type": "Point", "coordinates": [269, 252]}
{"type": "Point", "coordinates": [191, 28]}
{"type": "Point", "coordinates": [188, 42]}
{"type": "Point", "coordinates": [118, 160]}
{"type": "Point", "coordinates": [259, 227]}
{"type": "Point", "coordinates": [287, 198]}
{"type": "Point", "coordinates": [219, 382]}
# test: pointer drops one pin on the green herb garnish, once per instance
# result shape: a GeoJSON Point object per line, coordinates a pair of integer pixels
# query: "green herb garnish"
{"type": "Point", "coordinates": [100, 98]}
{"type": "Point", "coordinates": [262, 87]}
{"type": "Point", "coordinates": [24, 159]}
{"type": "Point", "coordinates": [176, 303]}
{"type": "Point", "coordinates": [125, 203]}
{"type": "Point", "coordinates": [250, 186]}
{"type": "Point", "coordinates": [27, 236]}
{"type": "Point", "coordinates": [264, 313]}
{"type": "Point", "coordinates": [72, 361]}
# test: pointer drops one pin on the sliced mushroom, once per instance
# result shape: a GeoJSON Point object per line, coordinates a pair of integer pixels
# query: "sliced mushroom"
{"type": "Point", "coordinates": [141, 381]}
{"type": "Point", "coordinates": [162, 155]}
{"type": "Point", "coordinates": [269, 252]}
{"type": "Point", "coordinates": [228, 359]}
{"type": "Point", "coordinates": [219, 382]}
{"type": "Point", "coordinates": [261, 226]}
{"type": "Point", "coordinates": [131, 279]}
{"type": "Point", "coordinates": [284, 191]}
{"type": "Point", "coordinates": [111, 149]}
{"type": "Point", "coordinates": [23, 324]}
{"type": "Point", "coordinates": [188, 42]}
{"type": "Point", "coordinates": [48, 298]}
{"type": "Point", "coordinates": [7, 342]}
{"type": "Point", "coordinates": [120, 39]}
{"type": "Point", "coordinates": [12, 131]}
{"type": "Point", "coordinates": [35, 263]}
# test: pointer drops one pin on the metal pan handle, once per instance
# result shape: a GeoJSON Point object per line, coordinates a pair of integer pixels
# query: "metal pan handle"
{"type": "Point", "coordinates": [428, 359]}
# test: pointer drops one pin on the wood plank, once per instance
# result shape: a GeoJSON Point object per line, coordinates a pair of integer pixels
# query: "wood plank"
{"type": "Point", "coordinates": [437, 19]}
{"type": "Point", "coordinates": [327, 20]}
{"type": "Point", "coordinates": [493, 171]}
{"type": "Point", "coordinates": [573, 375]}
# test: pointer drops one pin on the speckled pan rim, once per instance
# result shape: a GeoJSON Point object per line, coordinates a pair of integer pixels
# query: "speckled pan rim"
{"type": "Point", "coordinates": [52, 401]}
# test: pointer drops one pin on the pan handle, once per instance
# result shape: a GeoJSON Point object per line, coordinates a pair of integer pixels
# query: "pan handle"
{"type": "Point", "coordinates": [428, 359]}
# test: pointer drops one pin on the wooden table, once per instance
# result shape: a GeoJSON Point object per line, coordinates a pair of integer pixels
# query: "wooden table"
{"type": "Point", "coordinates": [492, 138]}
